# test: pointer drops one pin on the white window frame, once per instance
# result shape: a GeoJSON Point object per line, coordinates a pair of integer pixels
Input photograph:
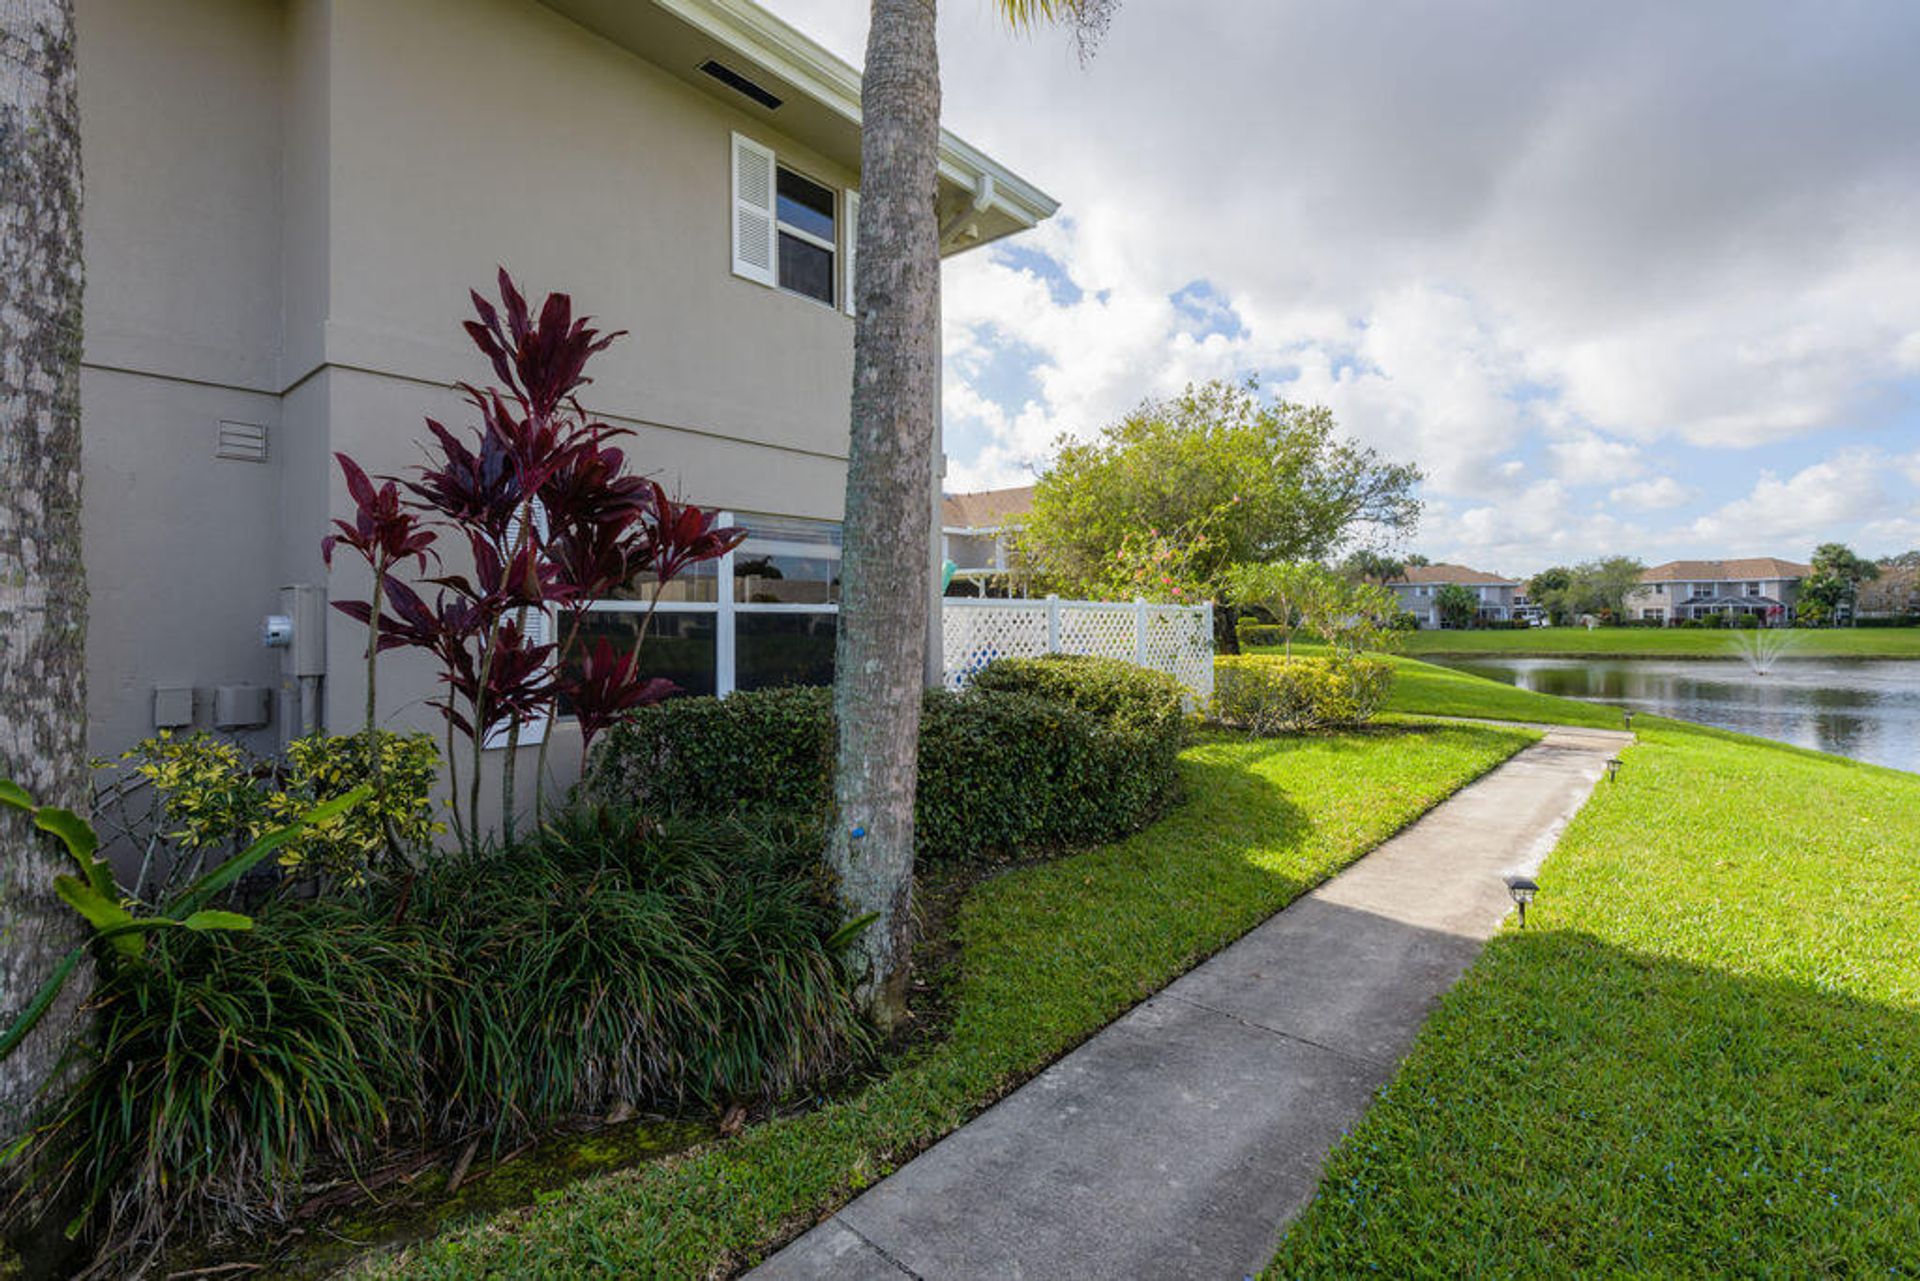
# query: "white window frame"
{"type": "Point", "coordinates": [724, 608]}
{"type": "Point", "coordinates": [742, 209]}
{"type": "Point", "coordinates": [832, 246]}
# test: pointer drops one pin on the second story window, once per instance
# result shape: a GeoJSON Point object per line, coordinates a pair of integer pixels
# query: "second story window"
{"type": "Point", "coordinates": [807, 240]}
{"type": "Point", "coordinates": [789, 231]}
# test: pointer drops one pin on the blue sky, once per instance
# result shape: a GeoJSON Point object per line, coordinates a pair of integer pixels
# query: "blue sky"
{"type": "Point", "coordinates": [1620, 277]}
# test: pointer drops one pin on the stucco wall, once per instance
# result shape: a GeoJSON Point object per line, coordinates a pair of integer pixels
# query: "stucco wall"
{"type": "Point", "coordinates": [287, 201]}
{"type": "Point", "coordinates": [472, 133]}
{"type": "Point", "coordinates": [181, 140]}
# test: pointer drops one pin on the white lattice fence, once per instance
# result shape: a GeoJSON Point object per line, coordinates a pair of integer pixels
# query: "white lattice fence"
{"type": "Point", "coordinates": [1176, 639]}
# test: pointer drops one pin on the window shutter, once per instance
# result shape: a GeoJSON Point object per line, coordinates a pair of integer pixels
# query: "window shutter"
{"type": "Point", "coordinates": [852, 238]}
{"type": "Point", "coordinates": [536, 625]}
{"type": "Point", "coordinates": [754, 242]}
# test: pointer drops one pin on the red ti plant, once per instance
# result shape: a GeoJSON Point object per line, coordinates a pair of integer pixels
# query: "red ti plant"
{"type": "Point", "coordinates": [552, 521]}
{"type": "Point", "coordinates": [385, 533]}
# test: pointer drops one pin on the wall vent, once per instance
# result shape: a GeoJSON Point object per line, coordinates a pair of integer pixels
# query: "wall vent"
{"type": "Point", "coordinates": [740, 84]}
{"type": "Point", "coordinates": [242, 442]}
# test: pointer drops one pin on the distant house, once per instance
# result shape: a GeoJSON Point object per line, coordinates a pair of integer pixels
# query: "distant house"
{"type": "Point", "coordinates": [1418, 585]}
{"type": "Point", "coordinates": [1680, 590]}
{"type": "Point", "coordinates": [977, 535]}
{"type": "Point", "coordinates": [1895, 594]}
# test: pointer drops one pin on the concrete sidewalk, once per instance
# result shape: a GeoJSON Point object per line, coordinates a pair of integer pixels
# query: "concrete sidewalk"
{"type": "Point", "coordinates": [1180, 1140]}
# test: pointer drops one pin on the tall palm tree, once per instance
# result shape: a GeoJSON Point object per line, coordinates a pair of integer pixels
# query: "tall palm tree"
{"type": "Point", "coordinates": [882, 636]}
{"type": "Point", "coordinates": [43, 590]}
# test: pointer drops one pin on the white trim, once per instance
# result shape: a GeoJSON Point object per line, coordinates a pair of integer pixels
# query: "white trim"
{"type": "Point", "coordinates": [850, 234]}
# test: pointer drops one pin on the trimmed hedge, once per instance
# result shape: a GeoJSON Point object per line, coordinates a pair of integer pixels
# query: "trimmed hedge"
{"type": "Point", "coordinates": [1261, 634]}
{"type": "Point", "coordinates": [1039, 753]}
{"type": "Point", "coordinates": [1270, 695]}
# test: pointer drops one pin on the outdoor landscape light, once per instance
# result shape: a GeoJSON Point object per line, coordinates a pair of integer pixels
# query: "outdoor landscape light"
{"type": "Point", "coordinates": [1523, 891]}
{"type": "Point", "coordinates": [1628, 713]}
{"type": "Point", "coordinates": [1613, 767]}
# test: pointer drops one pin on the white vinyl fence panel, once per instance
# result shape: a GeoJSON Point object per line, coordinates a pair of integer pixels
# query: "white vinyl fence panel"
{"type": "Point", "coordinates": [1176, 639]}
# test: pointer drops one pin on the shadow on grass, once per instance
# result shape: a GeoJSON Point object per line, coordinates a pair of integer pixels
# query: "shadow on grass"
{"type": "Point", "coordinates": [1578, 1106]}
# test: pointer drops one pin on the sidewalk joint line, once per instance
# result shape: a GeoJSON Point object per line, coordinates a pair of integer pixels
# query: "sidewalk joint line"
{"type": "Point", "coordinates": [875, 1246]}
{"type": "Point", "coordinates": [1364, 1060]}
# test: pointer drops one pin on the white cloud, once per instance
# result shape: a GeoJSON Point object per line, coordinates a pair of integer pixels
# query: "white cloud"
{"type": "Point", "coordinates": [1471, 230]}
{"type": "Point", "coordinates": [1654, 494]}
{"type": "Point", "coordinates": [1839, 491]}
{"type": "Point", "coordinates": [1589, 459]}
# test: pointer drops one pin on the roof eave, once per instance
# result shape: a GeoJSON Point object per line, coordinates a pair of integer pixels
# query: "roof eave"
{"type": "Point", "coordinates": [831, 82]}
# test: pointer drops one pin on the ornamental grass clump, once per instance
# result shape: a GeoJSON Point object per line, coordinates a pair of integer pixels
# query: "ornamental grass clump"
{"type": "Point", "coordinates": [614, 960]}
{"type": "Point", "coordinates": [602, 965]}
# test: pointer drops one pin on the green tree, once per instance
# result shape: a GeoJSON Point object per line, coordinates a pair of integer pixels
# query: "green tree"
{"type": "Point", "coordinates": [1601, 586]}
{"type": "Point", "coordinates": [881, 645]}
{"type": "Point", "coordinates": [1287, 590]}
{"type": "Point", "coordinates": [43, 588]}
{"type": "Point", "coordinates": [1417, 561]}
{"type": "Point", "coordinates": [1548, 589]}
{"type": "Point", "coordinates": [1457, 604]}
{"type": "Point", "coordinates": [1837, 575]}
{"type": "Point", "coordinates": [1365, 565]}
{"type": "Point", "coordinates": [1267, 481]}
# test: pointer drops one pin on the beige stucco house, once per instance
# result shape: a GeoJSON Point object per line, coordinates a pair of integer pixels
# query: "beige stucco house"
{"type": "Point", "coordinates": [286, 203]}
{"type": "Point", "coordinates": [1417, 586]}
{"type": "Point", "coordinates": [978, 532]}
{"type": "Point", "coordinates": [1765, 586]}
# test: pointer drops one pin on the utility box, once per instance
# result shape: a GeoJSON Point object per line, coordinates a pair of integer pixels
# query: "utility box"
{"type": "Point", "coordinates": [240, 706]}
{"type": "Point", "coordinates": [172, 706]}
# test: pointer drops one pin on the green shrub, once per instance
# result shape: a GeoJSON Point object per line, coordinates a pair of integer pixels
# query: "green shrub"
{"type": "Point", "coordinates": [600, 961]}
{"type": "Point", "coordinates": [1117, 692]}
{"type": "Point", "coordinates": [767, 749]}
{"type": "Point", "coordinates": [1271, 695]}
{"type": "Point", "coordinates": [1260, 634]}
{"type": "Point", "coordinates": [1039, 753]}
{"type": "Point", "coordinates": [214, 796]}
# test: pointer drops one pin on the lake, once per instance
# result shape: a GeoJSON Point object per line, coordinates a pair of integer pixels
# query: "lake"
{"type": "Point", "coordinates": [1866, 709]}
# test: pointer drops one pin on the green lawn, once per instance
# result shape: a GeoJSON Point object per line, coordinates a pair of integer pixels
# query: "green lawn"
{"type": "Point", "coordinates": [1050, 953]}
{"type": "Point", "coordinates": [1666, 642]}
{"type": "Point", "coordinates": [1701, 1058]}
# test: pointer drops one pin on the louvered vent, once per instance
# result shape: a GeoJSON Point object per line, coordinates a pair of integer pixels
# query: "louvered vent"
{"type": "Point", "coordinates": [242, 442]}
{"type": "Point", "coordinates": [740, 84]}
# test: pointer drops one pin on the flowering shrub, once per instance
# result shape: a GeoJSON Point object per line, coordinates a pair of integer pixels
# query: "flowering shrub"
{"type": "Point", "coordinates": [1161, 568]}
{"type": "Point", "coordinates": [1272, 695]}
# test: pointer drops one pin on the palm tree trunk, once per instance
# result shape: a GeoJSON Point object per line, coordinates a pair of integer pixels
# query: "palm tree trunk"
{"type": "Point", "coordinates": [43, 591]}
{"type": "Point", "coordinates": [884, 590]}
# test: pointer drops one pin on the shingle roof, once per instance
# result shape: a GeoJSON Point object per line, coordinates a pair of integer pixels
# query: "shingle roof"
{"type": "Point", "coordinates": [1444, 573]}
{"type": "Point", "coordinates": [986, 509]}
{"type": "Point", "coordinates": [1703, 571]}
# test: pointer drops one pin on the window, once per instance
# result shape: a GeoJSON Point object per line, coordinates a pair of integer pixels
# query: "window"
{"type": "Point", "coordinates": [805, 211]}
{"type": "Point", "coordinates": [762, 615]}
{"type": "Point", "coordinates": [789, 231]}
{"type": "Point", "coordinates": [1753, 589]}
